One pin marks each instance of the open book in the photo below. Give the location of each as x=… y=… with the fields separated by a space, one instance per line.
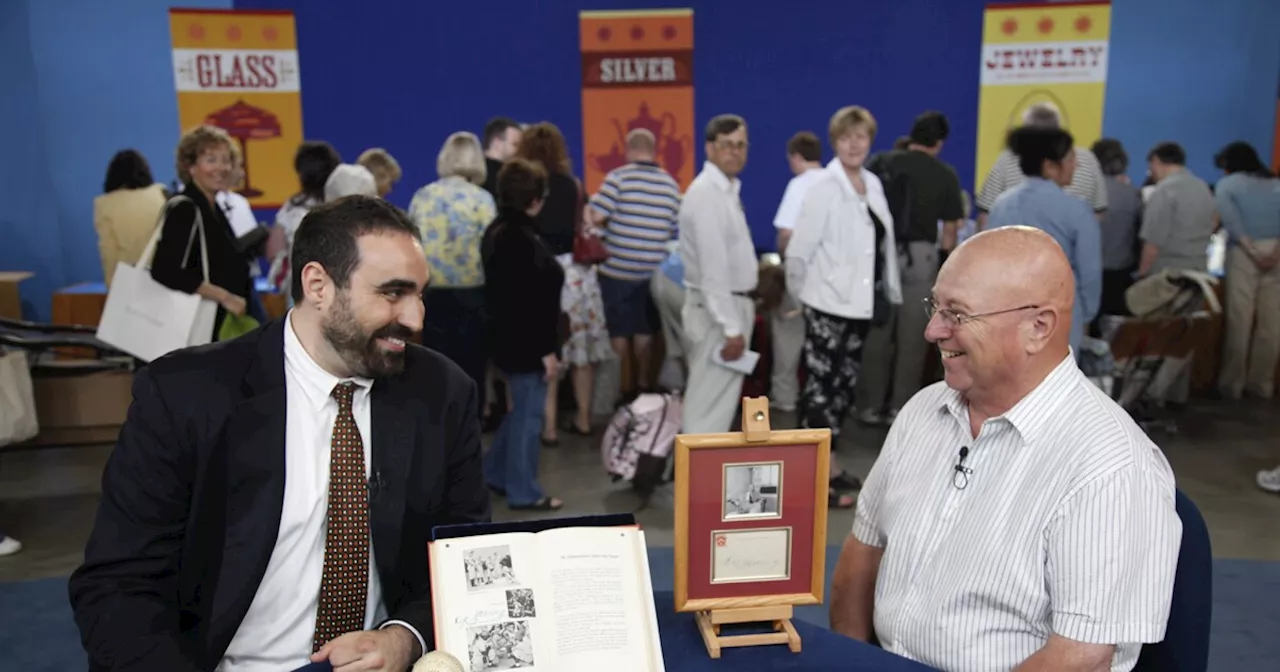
x=565 y=599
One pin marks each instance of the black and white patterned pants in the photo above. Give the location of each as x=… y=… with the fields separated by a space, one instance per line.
x=832 y=356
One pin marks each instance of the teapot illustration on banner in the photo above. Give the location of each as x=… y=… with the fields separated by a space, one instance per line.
x=671 y=148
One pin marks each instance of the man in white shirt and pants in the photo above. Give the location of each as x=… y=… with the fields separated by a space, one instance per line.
x=720 y=272
x=804 y=156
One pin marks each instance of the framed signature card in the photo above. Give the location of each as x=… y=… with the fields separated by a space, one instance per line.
x=751 y=518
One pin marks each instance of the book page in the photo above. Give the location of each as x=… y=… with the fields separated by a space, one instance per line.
x=598 y=599
x=488 y=609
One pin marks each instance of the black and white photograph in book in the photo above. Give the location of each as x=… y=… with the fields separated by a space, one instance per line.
x=489 y=567
x=500 y=646
x=520 y=603
x=752 y=490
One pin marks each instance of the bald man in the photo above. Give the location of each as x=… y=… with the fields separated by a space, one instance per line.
x=1017 y=518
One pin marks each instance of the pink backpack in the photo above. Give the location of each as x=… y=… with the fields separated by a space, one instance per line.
x=640 y=438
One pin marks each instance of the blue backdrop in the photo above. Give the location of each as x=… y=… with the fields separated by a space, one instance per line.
x=84 y=78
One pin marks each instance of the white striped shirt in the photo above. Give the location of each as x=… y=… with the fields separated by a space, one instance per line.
x=1087 y=182
x=1067 y=525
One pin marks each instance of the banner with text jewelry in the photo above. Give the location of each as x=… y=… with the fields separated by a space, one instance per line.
x=637 y=72
x=238 y=70
x=1042 y=53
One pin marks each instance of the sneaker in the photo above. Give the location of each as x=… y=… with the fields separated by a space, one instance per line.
x=1269 y=480
x=9 y=546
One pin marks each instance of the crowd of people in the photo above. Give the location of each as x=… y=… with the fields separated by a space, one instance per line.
x=861 y=239
x=1015 y=516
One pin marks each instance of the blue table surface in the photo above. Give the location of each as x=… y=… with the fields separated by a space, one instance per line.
x=263 y=286
x=821 y=649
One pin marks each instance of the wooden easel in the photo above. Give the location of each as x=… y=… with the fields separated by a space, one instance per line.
x=755 y=426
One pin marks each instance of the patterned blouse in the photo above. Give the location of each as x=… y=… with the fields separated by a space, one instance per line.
x=452 y=215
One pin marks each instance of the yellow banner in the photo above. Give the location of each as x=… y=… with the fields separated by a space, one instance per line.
x=637 y=72
x=1042 y=53
x=238 y=70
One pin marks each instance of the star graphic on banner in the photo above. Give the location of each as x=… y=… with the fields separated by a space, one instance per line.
x=1010 y=26
x=1045 y=25
x=1084 y=23
x=668 y=32
x=637 y=33
x=604 y=33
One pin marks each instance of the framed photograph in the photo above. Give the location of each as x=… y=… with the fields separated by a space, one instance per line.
x=751 y=516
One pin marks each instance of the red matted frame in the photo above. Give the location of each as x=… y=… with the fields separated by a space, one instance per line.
x=700 y=478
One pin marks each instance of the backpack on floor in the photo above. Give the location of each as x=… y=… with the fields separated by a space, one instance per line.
x=640 y=439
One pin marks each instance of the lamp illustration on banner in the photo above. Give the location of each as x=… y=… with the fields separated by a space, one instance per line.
x=671 y=147
x=245 y=122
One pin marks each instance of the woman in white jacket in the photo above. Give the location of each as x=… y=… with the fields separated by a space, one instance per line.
x=842 y=267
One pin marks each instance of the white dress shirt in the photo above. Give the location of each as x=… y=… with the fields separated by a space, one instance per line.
x=716 y=247
x=277 y=631
x=1066 y=525
x=793 y=197
x=831 y=259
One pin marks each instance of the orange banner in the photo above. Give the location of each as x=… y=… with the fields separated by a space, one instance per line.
x=637 y=72
x=238 y=70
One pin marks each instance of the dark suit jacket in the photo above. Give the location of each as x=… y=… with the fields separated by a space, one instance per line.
x=192 y=498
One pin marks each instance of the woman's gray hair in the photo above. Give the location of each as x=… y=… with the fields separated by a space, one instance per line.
x=462 y=155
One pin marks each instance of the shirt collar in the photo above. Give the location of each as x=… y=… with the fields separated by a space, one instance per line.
x=316 y=383
x=1033 y=412
x=718 y=178
x=834 y=166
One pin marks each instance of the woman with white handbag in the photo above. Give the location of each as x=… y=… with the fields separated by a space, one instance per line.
x=195 y=231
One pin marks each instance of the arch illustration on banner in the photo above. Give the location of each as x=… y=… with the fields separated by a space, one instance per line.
x=238 y=70
x=1041 y=53
x=637 y=72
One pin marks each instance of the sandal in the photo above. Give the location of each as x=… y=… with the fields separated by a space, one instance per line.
x=544 y=504
x=846 y=483
x=550 y=442
x=573 y=428
x=838 y=501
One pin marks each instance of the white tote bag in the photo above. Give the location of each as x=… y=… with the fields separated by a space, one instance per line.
x=17 y=399
x=148 y=320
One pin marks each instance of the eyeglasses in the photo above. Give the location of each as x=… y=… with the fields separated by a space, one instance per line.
x=954 y=319
x=739 y=146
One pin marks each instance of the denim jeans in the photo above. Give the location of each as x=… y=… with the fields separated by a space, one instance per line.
x=512 y=461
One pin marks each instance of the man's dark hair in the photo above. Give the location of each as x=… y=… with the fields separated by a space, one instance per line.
x=128 y=170
x=1111 y=156
x=520 y=183
x=1240 y=157
x=497 y=128
x=329 y=233
x=314 y=162
x=902 y=142
x=930 y=128
x=1033 y=145
x=1168 y=153
x=723 y=124
x=806 y=144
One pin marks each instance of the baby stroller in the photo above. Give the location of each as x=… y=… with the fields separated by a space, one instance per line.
x=1133 y=353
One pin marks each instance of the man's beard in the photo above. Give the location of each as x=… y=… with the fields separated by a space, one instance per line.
x=359 y=350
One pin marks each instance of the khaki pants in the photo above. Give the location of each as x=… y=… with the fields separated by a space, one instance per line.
x=1252 y=343
x=898 y=350
x=787 y=328
x=713 y=392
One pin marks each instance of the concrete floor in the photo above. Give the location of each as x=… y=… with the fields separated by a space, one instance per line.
x=48 y=496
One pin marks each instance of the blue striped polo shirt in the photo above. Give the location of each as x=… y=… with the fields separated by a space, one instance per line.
x=640 y=202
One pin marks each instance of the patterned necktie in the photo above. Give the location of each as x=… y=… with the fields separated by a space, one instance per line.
x=344 y=585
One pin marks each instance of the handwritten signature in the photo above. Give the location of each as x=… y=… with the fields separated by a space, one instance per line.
x=729 y=560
